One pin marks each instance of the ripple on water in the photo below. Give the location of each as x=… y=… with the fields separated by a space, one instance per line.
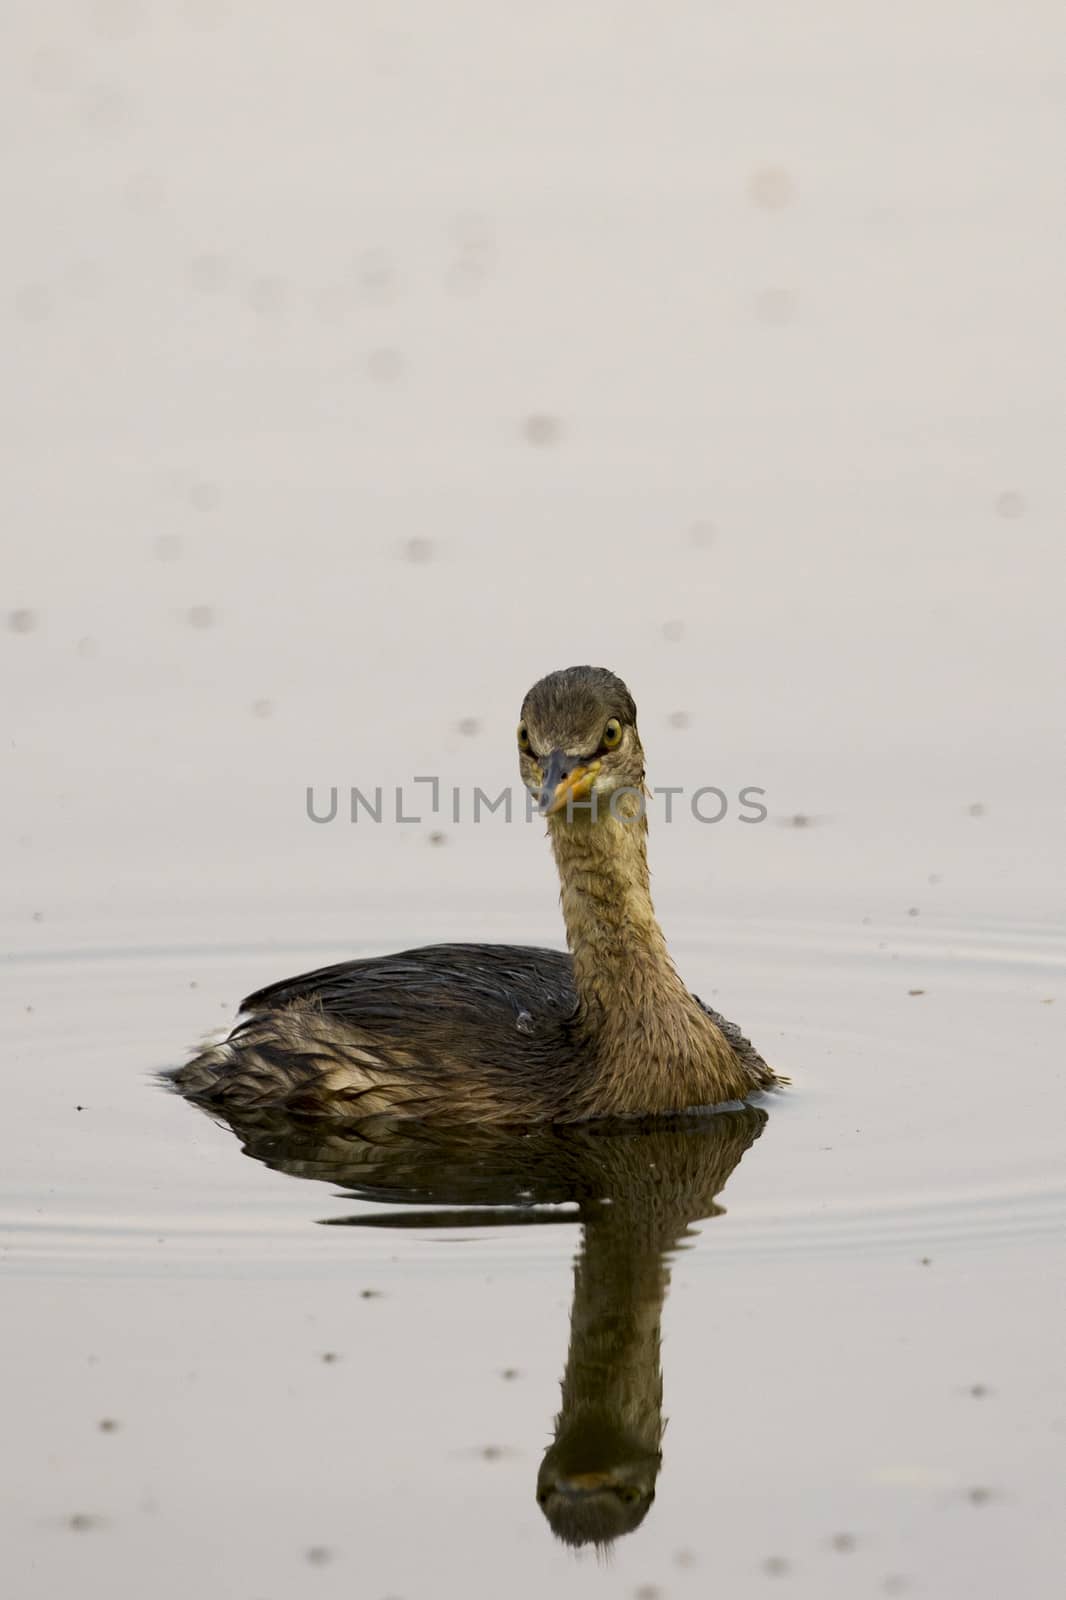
x=898 y=1135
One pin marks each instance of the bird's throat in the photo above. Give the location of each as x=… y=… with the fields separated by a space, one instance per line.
x=622 y=969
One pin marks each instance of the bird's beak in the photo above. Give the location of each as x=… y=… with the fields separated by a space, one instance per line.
x=566 y=780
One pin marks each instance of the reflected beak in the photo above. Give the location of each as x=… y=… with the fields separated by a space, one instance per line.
x=566 y=780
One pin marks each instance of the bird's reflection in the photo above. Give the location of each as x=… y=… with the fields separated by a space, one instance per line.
x=638 y=1188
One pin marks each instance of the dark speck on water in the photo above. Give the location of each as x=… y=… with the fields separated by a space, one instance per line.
x=469 y=726
x=107 y=1424
x=22 y=621
x=204 y=496
x=1010 y=504
x=542 y=430
x=419 y=550
x=319 y=1555
x=200 y=617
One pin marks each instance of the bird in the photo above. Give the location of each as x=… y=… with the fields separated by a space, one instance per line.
x=509 y=1035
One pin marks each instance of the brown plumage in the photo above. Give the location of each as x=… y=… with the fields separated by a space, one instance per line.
x=508 y=1034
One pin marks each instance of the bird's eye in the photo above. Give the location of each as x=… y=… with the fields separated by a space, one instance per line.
x=523 y=736
x=612 y=734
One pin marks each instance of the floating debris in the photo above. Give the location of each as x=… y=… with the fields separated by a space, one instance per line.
x=915 y=991
x=204 y=496
x=200 y=617
x=979 y=1495
x=22 y=621
x=107 y=1424
x=468 y=726
x=542 y=430
x=1010 y=504
x=319 y=1555
x=679 y=719
x=419 y=550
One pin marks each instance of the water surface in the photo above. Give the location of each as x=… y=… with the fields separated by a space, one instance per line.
x=310 y=1364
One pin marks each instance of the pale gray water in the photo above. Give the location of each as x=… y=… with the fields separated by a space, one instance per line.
x=361 y=365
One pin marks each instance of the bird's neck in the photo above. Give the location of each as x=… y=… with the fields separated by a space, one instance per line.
x=655 y=1047
x=622 y=968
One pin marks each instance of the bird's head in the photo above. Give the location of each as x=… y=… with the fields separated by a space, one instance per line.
x=578 y=744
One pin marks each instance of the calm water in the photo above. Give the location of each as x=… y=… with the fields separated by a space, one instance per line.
x=361 y=365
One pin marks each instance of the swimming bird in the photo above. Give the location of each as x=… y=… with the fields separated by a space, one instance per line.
x=505 y=1034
